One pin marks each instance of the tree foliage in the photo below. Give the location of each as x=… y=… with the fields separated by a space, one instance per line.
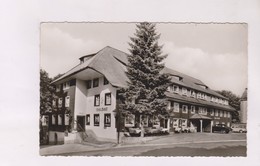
x=146 y=89
x=234 y=101
x=46 y=91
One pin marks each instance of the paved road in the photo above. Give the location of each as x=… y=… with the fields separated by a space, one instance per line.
x=178 y=145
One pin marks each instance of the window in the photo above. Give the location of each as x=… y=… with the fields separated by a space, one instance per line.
x=199 y=95
x=228 y=114
x=67 y=101
x=60 y=103
x=107 y=120
x=108 y=99
x=184 y=122
x=53 y=120
x=216 y=100
x=225 y=114
x=193 y=94
x=88 y=82
x=184 y=91
x=66 y=85
x=185 y=109
x=202 y=110
x=175 y=89
x=222 y=122
x=216 y=113
x=189 y=93
x=175 y=122
x=59 y=119
x=97 y=100
x=88 y=119
x=206 y=97
x=105 y=81
x=54 y=102
x=193 y=109
x=212 y=99
x=176 y=107
x=221 y=114
x=67 y=119
x=96 y=119
x=95 y=82
x=211 y=112
x=169 y=105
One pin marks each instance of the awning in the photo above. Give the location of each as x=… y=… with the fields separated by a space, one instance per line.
x=200 y=117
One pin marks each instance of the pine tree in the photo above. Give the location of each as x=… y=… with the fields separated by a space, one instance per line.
x=145 y=94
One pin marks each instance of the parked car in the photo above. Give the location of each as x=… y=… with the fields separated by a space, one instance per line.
x=134 y=131
x=221 y=128
x=238 y=129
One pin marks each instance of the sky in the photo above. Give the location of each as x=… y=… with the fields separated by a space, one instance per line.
x=214 y=53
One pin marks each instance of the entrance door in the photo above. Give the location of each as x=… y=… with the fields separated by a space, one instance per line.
x=80 y=123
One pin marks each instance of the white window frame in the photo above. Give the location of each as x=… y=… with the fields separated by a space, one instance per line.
x=60 y=102
x=199 y=95
x=202 y=96
x=193 y=110
x=228 y=114
x=67 y=101
x=53 y=120
x=176 y=107
x=212 y=113
x=59 y=119
x=177 y=88
x=216 y=112
x=54 y=102
x=224 y=114
x=221 y=113
x=186 y=110
x=184 y=122
x=175 y=122
x=193 y=94
x=66 y=119
x=184 y=91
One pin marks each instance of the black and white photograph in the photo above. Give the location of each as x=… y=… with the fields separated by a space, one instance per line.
x=132 y=82
x=143 y=89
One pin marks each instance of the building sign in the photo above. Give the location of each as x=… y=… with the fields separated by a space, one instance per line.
x=102 y=109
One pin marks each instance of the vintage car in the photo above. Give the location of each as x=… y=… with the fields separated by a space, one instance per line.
x=238 y=129
x=222 y=128
x=148 y=131
x=134 y=131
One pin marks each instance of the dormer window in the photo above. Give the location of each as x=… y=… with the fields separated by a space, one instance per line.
x=193 y=94
x=202 y=96
x=184 y=91
x=212 y=99
x=175 y=89
x=177 y=77
x=199 y=95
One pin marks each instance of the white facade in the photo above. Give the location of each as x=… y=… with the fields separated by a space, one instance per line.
x=84 y=105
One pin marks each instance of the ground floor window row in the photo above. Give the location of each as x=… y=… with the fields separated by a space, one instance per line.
x=55 y=119
x=179 y=122
x=177 y=107
x=97 y=118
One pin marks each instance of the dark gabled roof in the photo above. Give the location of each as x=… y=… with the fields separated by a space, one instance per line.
x=108 y=61
x=190 y=82
x=112 y=64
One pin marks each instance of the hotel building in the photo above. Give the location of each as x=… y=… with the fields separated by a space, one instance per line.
x=88 y=96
